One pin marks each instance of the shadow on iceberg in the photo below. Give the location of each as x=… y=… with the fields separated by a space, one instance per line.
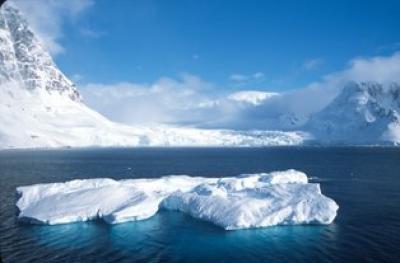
x=245 y=201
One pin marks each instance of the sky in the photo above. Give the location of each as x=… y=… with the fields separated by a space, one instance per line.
x=165 y=57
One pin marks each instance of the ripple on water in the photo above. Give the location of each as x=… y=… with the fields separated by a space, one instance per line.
x=364 y=182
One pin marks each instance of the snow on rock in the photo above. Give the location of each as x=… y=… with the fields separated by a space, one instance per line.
x=246 y=201
x=41 y=108
x=38 y=119
x=363 y=113
x=23 y=57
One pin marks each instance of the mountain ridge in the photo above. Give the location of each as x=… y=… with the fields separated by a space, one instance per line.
x=24 y=58
x=363 y=113
x=41 y=108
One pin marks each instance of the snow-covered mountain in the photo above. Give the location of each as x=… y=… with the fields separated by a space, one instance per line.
x=41 y=107
x=24 y=60
x=363 y=113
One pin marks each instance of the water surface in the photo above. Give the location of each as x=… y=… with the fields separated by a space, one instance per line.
x=364 y=181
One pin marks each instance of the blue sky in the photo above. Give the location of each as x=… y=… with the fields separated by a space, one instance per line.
x=215 y=63
x=290 y=42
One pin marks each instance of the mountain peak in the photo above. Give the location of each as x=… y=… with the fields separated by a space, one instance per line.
x=23 y=58
x=363 y=113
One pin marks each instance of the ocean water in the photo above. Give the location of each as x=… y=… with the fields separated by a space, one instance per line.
x=364 y=181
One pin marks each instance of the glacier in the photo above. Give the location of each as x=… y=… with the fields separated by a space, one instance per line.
x=38 y=119
x=41 y=108
x=241 y=202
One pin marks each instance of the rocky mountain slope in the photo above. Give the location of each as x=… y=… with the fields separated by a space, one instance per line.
x=363 y=113
x=41 y=107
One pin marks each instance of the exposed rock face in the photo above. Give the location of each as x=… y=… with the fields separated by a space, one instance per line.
x=363 y=113
x=40 y=107
x=23 y=58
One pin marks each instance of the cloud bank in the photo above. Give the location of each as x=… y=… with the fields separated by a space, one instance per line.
x=46 y=17
x=192 y=101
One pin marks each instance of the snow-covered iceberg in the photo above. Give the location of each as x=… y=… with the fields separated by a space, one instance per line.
x=245 y=201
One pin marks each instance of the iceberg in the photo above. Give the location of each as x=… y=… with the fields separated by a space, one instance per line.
x=244 y=201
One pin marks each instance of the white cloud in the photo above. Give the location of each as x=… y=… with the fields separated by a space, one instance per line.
x=312 y=64
x=46 y=17
x=254 y=97
x=91 y=33
x=243 y=77
x=380 y=68
x=164 y=101
x=383 y=69
x=238 y=77
x=190 y=100
x=77 y=77
x=193 y=101
x=395 y=46
x=258 y=75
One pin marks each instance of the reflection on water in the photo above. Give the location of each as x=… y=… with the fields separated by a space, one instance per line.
x=175 y=236
x=76 y=235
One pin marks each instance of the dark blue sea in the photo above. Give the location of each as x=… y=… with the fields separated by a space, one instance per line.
x=364 y=181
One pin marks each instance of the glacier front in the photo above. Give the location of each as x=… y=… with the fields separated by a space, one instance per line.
x=245 y=201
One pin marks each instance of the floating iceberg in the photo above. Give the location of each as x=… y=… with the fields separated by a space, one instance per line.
x=245 y=201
